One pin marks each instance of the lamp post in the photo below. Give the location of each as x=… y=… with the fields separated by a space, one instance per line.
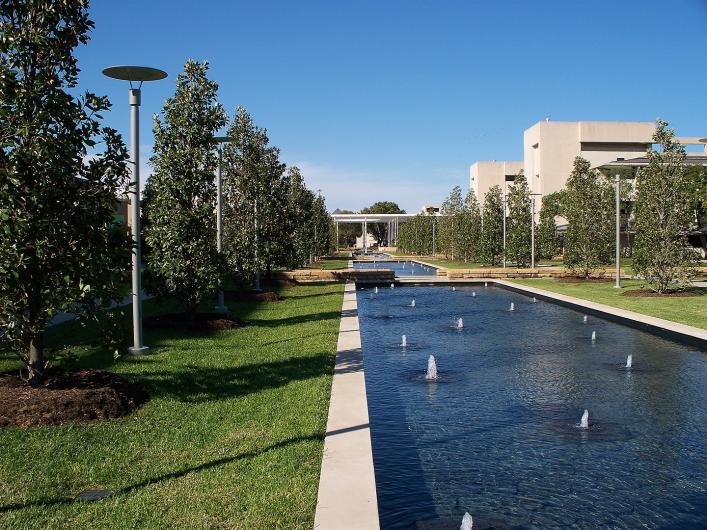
x=532 y=229
x=617 y=183
x=219 y=140
x=503 y=202
x=137 y=74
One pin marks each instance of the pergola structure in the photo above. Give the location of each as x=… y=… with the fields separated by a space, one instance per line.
x=393 y=220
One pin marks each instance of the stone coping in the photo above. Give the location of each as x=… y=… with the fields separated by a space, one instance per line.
x=336 y=275
x=347 y=486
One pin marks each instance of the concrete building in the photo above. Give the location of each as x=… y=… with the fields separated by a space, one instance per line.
x=550 y=147
x=483 y=175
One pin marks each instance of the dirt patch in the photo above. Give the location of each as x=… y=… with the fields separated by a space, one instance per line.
x=668 y=294
x=249 y=296
x=77 y=397
x=197 y=322
x=577 y=279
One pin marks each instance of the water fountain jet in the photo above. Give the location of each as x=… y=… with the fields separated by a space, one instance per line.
x=412 y=304
x=629 y=361
x=594 y=336
x=535 y=300
x=467 y=522
x=473 y=293
x=392 y=286
x=460 y=323
x=584 y=422
x=584 y=320
x=431 y=374
x=404 y=342
x=486 y=284
x=376 y=290
x=513 y=307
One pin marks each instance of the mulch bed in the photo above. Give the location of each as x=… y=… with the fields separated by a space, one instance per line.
x=78 y=397
x=249 y=296
x=576 y=279
x=649 y=293
x=197 y=322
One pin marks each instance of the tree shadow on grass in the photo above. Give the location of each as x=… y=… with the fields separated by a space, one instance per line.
x=299 y=319
x=199 y=384
x=172 y=475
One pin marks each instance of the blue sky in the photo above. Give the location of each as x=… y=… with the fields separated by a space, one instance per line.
x=393 y=100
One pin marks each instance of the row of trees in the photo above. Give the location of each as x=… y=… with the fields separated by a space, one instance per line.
x=661 y=206
x=61 y=173
x=270 y=219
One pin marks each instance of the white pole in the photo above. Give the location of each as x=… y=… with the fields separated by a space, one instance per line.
x=617 y=182
x=532 y=232
x=504 y=231
x=220 y=306
x=138 y=347
x=257 y=265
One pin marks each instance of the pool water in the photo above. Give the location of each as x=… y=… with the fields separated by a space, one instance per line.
x=497 y=435
x=401 y=268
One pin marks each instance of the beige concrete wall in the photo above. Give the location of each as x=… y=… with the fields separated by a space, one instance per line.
x=485 y=174
x=550 y=147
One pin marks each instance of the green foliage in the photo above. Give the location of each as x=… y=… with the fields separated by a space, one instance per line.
x=589 y=209
x=59 y=249
x=664 y=214
x=492 y=228
x=181 y=226
x=518 y=229
x=415 y=235
x=469 y=231
x=448 y=229
x=380 y=230
x=548 y=242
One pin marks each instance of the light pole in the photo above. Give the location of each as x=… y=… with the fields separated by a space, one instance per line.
x=532 y=229
x=219 y=140
x=503 y=201
x=434 y=241
x=617 y=183
x=137 y=74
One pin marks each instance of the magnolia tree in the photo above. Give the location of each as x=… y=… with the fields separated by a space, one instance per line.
x=589 y=209
x=449 y=229
x=518 y=229
x=415 y=235
x=60 y=176
x=181 y=226
x=491 y=244
x=664 y=214
x=469 y=235
x=547 y=239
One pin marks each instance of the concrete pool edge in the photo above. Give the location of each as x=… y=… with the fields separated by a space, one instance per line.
x=347 y=487
x=659 y=326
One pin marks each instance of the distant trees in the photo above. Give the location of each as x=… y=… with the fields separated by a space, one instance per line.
x=518 y=229
x=59 y=249
x=492 y=228
x=664 y=214
x=181 y=229
x=588 y=208
x=415 y=235
x=469 y=243
x=349 y=232
x=380 y=230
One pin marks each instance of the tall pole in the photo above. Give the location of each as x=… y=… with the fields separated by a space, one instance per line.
x=365 y=237
x=504 y=231
x=337 y=236
x=532 y=232
x=617 y=182
x=434 y=236
x=138 y=347
x=257 y=265
x=220 y=306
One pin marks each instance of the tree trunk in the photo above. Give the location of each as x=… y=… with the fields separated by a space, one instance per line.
x=36 y=361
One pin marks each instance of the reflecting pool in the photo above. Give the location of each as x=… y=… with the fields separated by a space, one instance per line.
x=497 y=433
x=401 y=268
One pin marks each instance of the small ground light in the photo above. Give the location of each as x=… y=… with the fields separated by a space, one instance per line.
x=94 y=495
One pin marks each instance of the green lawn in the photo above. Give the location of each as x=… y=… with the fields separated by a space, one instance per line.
x=691 y=311
x=232 y=437
x=334 y=264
